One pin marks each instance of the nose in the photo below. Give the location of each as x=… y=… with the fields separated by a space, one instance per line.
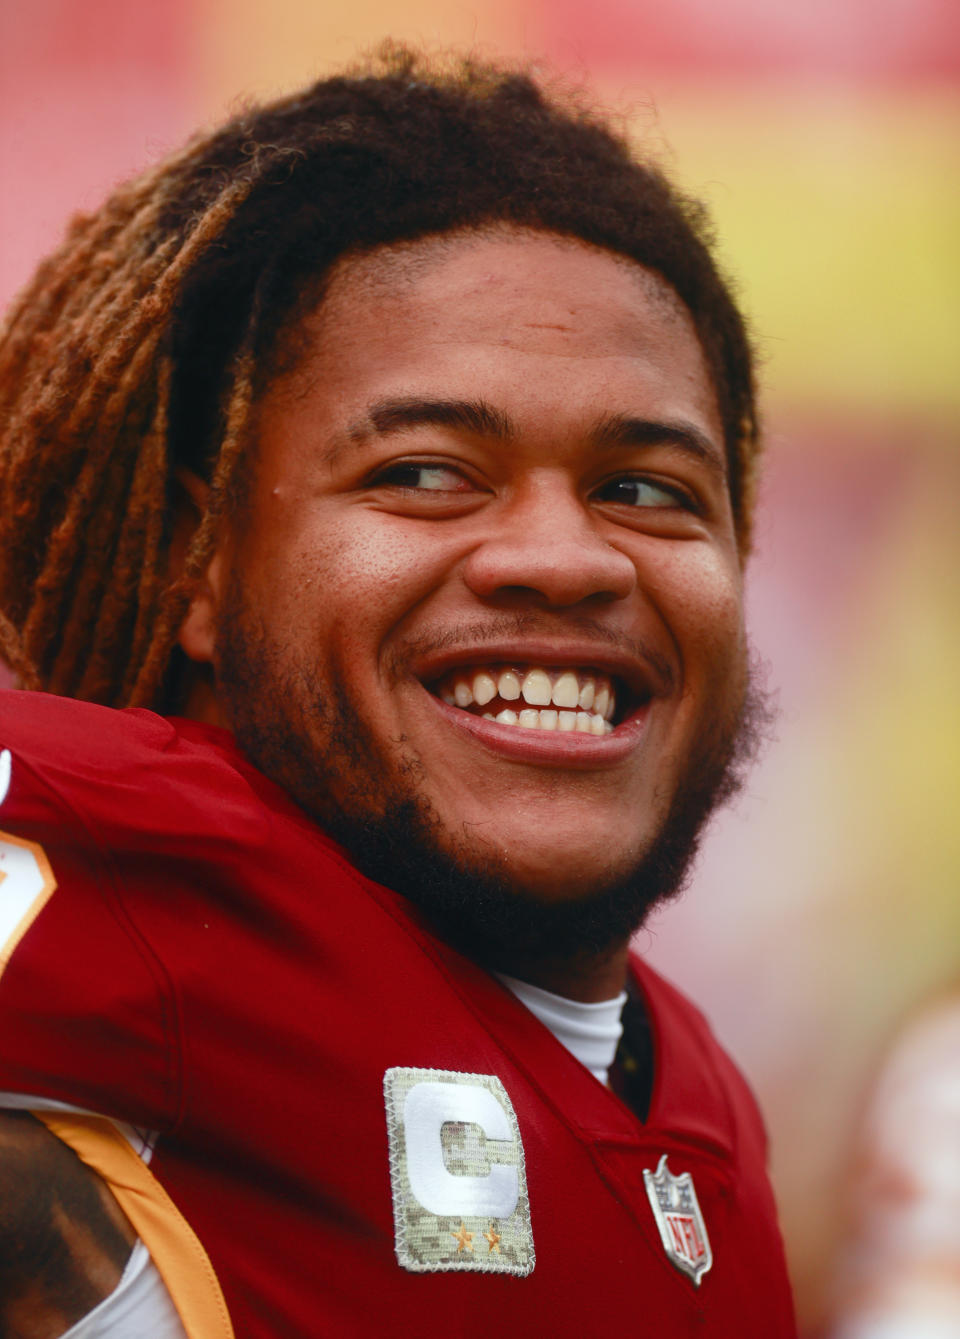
x=546 y=545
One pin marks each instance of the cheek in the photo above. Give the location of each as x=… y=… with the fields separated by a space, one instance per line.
x=698 y=591
x=376 y=561
x=358 y=570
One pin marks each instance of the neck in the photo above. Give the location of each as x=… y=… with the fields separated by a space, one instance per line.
x=201 y=704
x=586 y=979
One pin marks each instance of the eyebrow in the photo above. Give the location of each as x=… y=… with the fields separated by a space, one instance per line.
x=394 y=415
x=624 y=430
x=398 y=413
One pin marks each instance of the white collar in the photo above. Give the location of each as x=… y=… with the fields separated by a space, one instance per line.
x=590 y=1032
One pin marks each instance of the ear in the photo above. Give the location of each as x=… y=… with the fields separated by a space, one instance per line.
x=198 y=629
x=197 y=633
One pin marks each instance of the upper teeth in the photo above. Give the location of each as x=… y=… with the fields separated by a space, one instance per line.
x=573 y=690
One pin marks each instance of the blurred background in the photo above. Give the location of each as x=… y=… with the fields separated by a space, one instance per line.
x=824 y=136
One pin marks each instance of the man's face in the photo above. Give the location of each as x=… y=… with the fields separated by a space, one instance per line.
x=488 y=571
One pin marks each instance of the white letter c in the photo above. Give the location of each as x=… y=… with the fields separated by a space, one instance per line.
x=428 y=1107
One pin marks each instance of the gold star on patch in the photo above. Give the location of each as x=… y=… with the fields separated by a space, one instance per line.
x=463 y=1238
x=493 y=1237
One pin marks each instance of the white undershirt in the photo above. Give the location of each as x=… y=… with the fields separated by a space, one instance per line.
x=138 y=1306
x=590 y=1032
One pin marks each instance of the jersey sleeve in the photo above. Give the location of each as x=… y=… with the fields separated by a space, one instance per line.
x=87 y=1014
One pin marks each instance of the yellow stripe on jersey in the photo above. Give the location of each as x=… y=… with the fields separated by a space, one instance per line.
x=182 y=1262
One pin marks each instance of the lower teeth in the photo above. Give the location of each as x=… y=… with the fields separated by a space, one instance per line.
x=566 y=722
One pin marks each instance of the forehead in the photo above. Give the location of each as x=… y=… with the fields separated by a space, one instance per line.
x=500 y=259
x=548 y=323
x=497 y=274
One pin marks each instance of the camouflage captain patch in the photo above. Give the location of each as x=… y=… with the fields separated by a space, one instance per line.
x=457 y=1173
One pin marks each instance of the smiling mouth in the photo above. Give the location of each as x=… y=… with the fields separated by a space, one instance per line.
x=536 y=697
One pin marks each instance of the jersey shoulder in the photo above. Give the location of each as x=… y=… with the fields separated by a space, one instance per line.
x=121 y=834
x=119 y=773
x=35 y=720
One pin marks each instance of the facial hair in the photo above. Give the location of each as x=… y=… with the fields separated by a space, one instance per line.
x=378 y=812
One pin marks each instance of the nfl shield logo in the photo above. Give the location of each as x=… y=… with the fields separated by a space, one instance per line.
x=682 y=1230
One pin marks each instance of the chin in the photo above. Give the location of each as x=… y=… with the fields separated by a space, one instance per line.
x=561 y=872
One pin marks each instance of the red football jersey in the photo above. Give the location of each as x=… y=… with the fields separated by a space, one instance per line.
x=360 y=1131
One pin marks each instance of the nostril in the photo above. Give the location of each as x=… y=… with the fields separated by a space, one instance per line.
x=557 y=574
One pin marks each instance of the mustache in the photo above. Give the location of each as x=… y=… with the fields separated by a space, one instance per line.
x=530 y=624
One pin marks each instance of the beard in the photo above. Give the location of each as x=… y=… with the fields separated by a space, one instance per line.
x=323 y=755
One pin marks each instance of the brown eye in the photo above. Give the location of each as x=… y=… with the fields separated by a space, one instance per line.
x=423 y=477
x=638 y=492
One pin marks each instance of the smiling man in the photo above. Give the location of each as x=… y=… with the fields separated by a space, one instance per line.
x=391 y=450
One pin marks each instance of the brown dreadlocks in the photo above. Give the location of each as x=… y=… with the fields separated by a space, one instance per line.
x=143 y=343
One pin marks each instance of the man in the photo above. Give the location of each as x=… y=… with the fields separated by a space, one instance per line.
x=396 y=444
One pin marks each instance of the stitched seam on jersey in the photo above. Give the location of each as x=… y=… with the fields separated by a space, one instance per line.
x=155 y=967
x=175 y=1248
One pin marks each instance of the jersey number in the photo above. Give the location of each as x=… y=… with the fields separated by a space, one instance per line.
x=26 y=881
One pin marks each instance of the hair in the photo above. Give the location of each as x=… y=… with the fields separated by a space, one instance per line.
x=143 y=343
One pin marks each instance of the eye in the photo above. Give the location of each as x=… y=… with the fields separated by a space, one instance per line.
x=422 y=476
x=641 y=491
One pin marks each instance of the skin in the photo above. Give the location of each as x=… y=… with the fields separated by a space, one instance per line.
x=64 y=1240
x=379 y=549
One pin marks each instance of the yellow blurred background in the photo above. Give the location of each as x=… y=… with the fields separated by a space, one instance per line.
x=824 y=137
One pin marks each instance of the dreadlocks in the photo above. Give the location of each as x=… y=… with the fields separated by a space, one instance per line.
x=143 y=343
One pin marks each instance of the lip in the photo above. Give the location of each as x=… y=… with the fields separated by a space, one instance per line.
x=550 y=748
